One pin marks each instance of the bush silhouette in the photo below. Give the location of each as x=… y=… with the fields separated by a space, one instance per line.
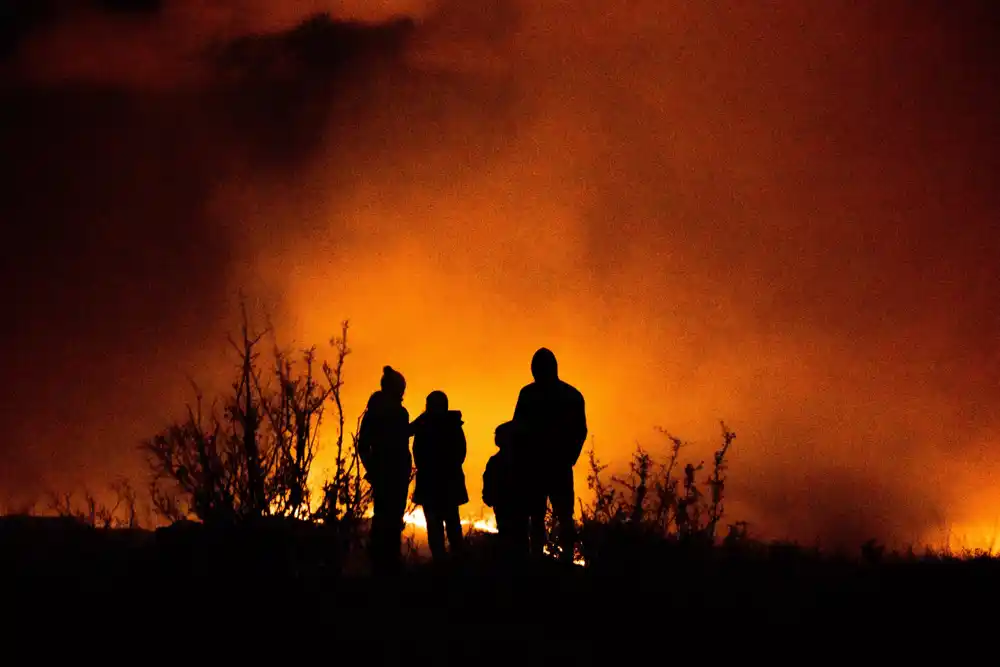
x=245 y=460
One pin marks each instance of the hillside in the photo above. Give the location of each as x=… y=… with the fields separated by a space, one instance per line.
x=77 y=576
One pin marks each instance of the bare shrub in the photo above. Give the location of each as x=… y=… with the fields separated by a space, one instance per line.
x=249 y=454
x=122 y=514
x=651 y=500
x=346 y=494
x=295 y=414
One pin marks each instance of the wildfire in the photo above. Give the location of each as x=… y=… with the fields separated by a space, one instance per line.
x=973 y=536
x=486 y=525
x=417 y=519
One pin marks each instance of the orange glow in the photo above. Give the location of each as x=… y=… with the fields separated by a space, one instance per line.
x=417 y=521
x=973 y=537
x=777 y=214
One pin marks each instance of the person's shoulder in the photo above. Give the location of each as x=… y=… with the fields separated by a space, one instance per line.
x=528 y=390
x=571 y=391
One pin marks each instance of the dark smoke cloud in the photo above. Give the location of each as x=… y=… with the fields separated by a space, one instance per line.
x=117 y=273
x=781 y=215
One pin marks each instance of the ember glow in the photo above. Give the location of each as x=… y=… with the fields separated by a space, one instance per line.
x=417 y=521
x=782 y=215
x=416 y=518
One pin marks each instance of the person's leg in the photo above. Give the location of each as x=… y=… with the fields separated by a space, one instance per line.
x=512 y=529
x=522 y=534
x=562 y=497
x=389 y=502
x=535 y=520
x=435 y=532
x=453 y=523
x=398 y=509
x=376 y=535
x=500 y=551
x=536 y=502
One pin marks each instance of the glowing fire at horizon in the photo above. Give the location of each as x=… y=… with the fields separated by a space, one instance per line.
x=417 y=520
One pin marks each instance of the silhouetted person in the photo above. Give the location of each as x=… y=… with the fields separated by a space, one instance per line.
x=551 y=425
x=439 y=449
x=503 y=492
x=384 y=447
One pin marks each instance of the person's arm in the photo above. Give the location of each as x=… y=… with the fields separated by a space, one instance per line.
x=462 y=446
x=521 y=407
x=419 y=453
x=579 y=428
x=525 y=418
x=405 y=427
x=364 y=441
x=489 y=483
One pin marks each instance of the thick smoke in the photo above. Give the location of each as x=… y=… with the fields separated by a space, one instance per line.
x=780 y=216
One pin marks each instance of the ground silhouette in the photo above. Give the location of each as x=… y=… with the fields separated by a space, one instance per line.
x=664 y=597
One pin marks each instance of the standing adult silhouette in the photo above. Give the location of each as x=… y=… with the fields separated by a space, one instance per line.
x=551 y=424
x=384 y=447
x=439 y=449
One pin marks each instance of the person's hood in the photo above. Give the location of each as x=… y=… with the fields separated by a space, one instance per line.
x=380 y=401
x=504 y=434
x=375 y=399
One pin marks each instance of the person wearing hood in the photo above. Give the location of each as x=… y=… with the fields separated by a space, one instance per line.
x=439 y=449
x=384 y=448
x=551 y=421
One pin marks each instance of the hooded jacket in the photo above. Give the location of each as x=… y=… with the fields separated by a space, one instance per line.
x=439 y=449
x=551 y=418
x=385 y=436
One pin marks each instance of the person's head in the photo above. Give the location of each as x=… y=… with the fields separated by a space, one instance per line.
x=437 y=401
x=393 y=383
x=543 y=366
x=504 y=434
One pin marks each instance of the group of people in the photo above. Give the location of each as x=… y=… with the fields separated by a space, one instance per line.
x=533 y=466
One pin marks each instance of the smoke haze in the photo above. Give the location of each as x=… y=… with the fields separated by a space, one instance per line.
x=777 y=214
